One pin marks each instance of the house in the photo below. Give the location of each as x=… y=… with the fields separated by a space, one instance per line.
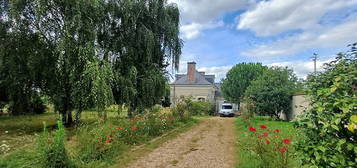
x=198 y=85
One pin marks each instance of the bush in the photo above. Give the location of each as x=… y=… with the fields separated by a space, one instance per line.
x=201 y=108
x=330 y=141
x=52 y=151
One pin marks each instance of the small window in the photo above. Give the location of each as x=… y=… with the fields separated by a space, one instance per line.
x=228 y=107
x=201 y=99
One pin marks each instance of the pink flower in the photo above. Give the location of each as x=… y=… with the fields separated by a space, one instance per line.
x=252 y=129
x=286 y=141
x=267 y=142
x=283 y=149
x=263 y=127
x=265 y=134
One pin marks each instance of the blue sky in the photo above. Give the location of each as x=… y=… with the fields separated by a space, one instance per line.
x=219 y=34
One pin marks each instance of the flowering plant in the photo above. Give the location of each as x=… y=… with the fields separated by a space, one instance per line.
x=270 y=147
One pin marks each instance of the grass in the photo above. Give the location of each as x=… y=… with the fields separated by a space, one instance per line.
x=245 y=157
x=19 y=132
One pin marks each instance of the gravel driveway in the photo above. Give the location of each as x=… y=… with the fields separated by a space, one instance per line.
x=208 y=145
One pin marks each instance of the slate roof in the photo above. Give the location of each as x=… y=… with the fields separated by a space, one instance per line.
x=181 y=79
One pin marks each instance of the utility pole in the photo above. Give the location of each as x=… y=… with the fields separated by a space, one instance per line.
x=314 y=58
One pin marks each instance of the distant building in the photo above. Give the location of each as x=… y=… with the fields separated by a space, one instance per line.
x=198 y=85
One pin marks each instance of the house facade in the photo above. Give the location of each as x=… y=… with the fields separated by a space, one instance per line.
x=198 y=85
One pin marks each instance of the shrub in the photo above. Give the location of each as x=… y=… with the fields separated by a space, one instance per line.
x=52 y=151
x=330 y=141
x=200 y=108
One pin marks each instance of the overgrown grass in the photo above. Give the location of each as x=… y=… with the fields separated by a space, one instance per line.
x=86 y=145
x=246 y=158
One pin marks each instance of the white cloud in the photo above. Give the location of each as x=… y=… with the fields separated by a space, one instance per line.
x=276 y=16
x=193 y=30
x=302 y=68
x=199 y=15
x=203 y=11
x=338 y=36
x=219 y=71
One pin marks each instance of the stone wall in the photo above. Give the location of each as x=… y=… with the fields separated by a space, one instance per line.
x=299 y=104
x=197 y=92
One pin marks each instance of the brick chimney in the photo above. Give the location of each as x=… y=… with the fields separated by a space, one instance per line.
x=191 y=70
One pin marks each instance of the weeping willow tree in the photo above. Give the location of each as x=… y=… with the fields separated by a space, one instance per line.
x=143 y=41
x=89 y=53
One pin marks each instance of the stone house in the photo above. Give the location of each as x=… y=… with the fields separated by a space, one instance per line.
x=198 y=85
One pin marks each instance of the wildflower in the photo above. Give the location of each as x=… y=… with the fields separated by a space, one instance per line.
x=283 y=149
x=276 y=131
x=6 y=132
x=263 y=127
x=267 y=142
x=260 y=137
x=107 y=141
x=252 y=129
x=134 y=128
x=265 y=134
x=286 y=141
x=119 y=128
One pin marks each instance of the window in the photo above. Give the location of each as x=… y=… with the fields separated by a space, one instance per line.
x=201 y=99
x=228 y=107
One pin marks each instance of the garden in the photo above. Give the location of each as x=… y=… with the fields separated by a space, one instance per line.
x=323 y=136
x=94 y=143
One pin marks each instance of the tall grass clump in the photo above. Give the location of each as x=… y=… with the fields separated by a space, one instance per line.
x=52 y=152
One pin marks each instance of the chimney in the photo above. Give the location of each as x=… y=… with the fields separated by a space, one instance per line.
x=191 y=70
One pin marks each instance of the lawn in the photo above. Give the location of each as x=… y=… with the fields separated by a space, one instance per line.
x=246 y=155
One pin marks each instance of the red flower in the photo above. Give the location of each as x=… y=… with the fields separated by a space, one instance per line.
x=286 y=141
x=267 y=142
x=252 y=129
x=134 y=128
x=283 y=149
x=260 y=137
x=276 y=131
x=107 y=141
x=265 y=134
x=119 y=128
x=263 y=127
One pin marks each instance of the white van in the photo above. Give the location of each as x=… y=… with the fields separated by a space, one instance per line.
x=226 y=109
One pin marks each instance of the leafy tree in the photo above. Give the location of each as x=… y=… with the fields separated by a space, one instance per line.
x=270 y=94
x=329 y=139
x=239 y=78
x=22 y=55
x=87 y=53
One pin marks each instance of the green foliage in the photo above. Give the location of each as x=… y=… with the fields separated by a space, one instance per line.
x=87 y=53
x=201 y=108
x=52 y=152
x=92 y=144
x=329 y=142
x=270 y=94
x=253 y=149
x=239 y=78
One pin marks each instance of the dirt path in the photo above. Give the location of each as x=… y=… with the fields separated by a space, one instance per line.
x=209 y=145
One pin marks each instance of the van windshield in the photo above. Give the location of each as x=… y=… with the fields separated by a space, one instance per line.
x=227 y=107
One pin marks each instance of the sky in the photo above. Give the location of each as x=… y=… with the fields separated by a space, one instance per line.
x=218 y=34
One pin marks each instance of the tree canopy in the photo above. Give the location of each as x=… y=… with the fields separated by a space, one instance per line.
x=270 y=94
x=87 y=53
x=239 y=78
